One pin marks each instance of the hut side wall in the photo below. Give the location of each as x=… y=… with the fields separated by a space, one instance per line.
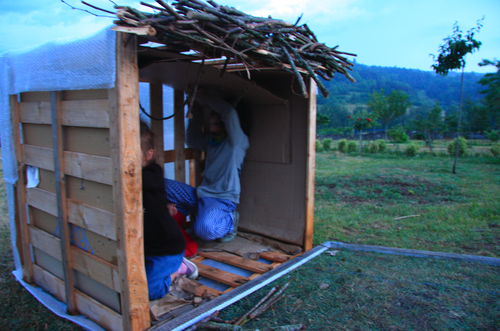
x=88 y=206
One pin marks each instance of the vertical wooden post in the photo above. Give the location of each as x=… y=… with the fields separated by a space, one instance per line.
x=127 y=185
x=179 y=137
x=21 y=194
x=62 y=220
x=311 y=165
x=156 y=106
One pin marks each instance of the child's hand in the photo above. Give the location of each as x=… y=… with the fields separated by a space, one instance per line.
x=172 y=210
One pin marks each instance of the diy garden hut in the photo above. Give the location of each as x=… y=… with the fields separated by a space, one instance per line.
x=71 y=156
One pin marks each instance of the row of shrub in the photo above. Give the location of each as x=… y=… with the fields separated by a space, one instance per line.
x=380 y=145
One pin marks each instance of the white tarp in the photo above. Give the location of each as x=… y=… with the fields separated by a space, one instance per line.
x=78 y=63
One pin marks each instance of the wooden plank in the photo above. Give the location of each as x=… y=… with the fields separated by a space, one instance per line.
x=43 y=200
x=311 y=166
x=35 y=112
x=237 y=261
x=275 y=256
x=156 y=106
x=62 y=212
x=127 y=188
x=89 y=167
x=99 y=313
x=221 y=276
x=179 y=137
x=39 y=157
x=93 y=219
x=169 y=156
x=49 y=282
x=96 y=268
x=91 y=308
x=46 y=242
x=87 y=113
x=21 y=193
x=201 y=290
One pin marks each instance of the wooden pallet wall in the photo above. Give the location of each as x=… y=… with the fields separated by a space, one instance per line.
x=69 y=238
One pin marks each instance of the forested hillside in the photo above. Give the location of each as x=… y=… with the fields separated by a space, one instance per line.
x=423 y=88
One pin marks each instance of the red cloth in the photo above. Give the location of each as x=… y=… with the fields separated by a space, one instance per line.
x=191 y=245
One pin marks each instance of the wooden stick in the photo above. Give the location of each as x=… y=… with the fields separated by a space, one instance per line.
x=402 y=217
x=239 y=320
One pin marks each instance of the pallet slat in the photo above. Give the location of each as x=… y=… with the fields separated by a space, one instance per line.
x=88 y=113
x=221 y=276
x=237 y=261
x=275 y=256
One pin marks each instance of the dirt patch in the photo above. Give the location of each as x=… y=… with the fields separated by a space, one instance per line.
x=388 y=190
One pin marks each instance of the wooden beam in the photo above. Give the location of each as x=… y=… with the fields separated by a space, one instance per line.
x=127 y=188
x=179 y=137
x=21 y=193
x=156 y=106
x=275 y=256
x=62 y=213
x=311 y=166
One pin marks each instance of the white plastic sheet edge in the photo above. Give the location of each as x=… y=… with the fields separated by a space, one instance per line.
x=56 y=306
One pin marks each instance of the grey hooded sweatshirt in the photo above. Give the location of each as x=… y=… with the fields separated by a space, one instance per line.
x=224 y=161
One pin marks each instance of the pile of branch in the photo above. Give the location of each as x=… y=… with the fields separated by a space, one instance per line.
x=237 y=35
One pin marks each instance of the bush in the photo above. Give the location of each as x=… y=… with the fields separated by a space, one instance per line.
x=495 y=149
x=382 y=144
x=462 y=147
x=373 y=147
x=319 y=146
x=493 y=136
x=342 y=145
x=352 y=147
x=398 y=134
x=412 y=149
x=328 y=144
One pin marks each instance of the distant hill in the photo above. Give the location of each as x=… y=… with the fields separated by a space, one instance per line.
x=423 y=87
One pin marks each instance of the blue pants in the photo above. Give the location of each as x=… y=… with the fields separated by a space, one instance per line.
x=158 y=271
x=214 y=217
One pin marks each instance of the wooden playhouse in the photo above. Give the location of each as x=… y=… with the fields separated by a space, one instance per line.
x=79 y=231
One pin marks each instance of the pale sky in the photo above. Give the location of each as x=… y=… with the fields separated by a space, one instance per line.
x=389 y=33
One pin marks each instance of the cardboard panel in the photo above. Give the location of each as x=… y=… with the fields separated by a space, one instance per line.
x=37 y=135
x=84 y=95
x=47 y=181
x=270 y=134
x=273 y=197
x=93 y=141
x=35 y=96
x=90 y=193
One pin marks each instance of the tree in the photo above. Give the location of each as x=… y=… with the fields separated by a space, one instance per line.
x=359 y=122
x=388 y=108
x=429 y=123
x=492 y=92
x=452 y=56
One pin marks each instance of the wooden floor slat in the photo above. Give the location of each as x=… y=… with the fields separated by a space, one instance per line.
x=275 y=256
x=237 y=261
x=221 y=276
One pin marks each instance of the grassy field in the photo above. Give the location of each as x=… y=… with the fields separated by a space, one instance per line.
x=377 y=199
